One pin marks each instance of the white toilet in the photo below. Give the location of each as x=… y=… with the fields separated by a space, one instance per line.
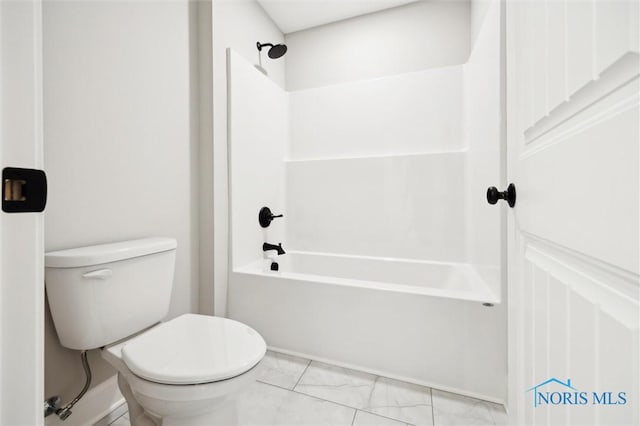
x=185 y=371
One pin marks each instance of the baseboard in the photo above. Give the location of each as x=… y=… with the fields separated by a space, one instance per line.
x=94 y=405
x=390 y=376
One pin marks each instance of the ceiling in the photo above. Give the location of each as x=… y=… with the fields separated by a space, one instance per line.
x=296 y=15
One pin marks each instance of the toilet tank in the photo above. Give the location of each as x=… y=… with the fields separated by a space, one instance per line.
x=103 y=293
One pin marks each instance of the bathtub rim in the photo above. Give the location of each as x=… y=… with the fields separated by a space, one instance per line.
x=482 y=293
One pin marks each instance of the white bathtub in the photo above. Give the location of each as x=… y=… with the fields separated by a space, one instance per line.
x=440 y=279
x=422 y=322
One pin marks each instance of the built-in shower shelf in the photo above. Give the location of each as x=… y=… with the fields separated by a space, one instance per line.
x=376 y=156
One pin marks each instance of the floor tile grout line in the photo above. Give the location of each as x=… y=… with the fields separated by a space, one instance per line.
x=386 y=417
x=310 y=396
x=377 y=377
x=355 y=413
x=303 y=371
x=382 y=416
x=433 y=416
x=334 y=402
x=341 y=404
x=388 y=378
x=315 y=397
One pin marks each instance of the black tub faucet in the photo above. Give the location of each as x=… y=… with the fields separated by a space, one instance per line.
x=267 y=247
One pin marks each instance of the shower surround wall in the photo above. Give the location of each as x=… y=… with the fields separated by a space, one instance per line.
x=237 y=24
x=388 y=256
x=382 y=180
x=367 y=183
x=483 y=126
x=258 y=110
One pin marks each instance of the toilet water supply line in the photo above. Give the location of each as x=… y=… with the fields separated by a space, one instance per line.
x=51 y=404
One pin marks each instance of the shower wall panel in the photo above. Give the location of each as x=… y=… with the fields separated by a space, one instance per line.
x=257 y=135
x=377 y=167
x=483 y=128
x=409 y=113
x=400 y=206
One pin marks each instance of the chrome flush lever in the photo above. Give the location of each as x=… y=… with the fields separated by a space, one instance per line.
x=99 y=274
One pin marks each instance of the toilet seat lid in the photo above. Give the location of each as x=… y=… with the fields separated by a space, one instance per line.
x=193 y=349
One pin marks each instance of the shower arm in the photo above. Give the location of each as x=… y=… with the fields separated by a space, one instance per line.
x=261 y=45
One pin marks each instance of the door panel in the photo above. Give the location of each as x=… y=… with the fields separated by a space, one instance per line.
x=21 y=234
x=574 y=257
x=584 y=170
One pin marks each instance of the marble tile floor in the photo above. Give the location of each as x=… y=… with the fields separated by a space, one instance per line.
x=295 y=391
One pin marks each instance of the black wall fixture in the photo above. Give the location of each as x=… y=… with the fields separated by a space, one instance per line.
x=23 y=190
x=493 y=195
x=276 y=50
x=265 y=217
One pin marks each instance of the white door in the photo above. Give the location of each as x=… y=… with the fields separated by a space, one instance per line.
x=572 y=141
x=21 y=234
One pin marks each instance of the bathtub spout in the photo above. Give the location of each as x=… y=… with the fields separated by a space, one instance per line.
x=267 y=247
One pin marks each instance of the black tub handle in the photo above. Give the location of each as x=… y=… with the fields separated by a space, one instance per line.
x=265 y=217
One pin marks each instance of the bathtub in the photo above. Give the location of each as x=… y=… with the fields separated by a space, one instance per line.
x=430 y=323
x=438 y=279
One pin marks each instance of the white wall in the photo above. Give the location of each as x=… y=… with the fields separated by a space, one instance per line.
x=237 y=24
x=409 y=113
x=406 y=206
x=376 y=167
x=421 y=35
x=258 y=121
x=121 y=141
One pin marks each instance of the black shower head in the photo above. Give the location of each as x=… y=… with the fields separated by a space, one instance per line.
x=276 y=51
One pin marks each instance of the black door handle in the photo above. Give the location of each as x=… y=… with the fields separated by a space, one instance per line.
x=493 y=195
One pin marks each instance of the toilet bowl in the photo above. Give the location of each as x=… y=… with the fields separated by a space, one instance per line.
x=185 y=371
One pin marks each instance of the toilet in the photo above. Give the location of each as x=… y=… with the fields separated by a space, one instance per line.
x=186 y=371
